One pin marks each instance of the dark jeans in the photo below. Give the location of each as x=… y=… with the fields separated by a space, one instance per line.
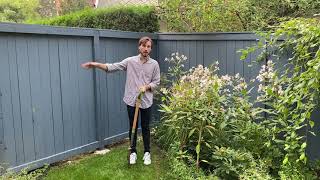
x=145 y=119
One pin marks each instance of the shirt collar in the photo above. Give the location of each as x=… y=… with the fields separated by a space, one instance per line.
x=148 y=59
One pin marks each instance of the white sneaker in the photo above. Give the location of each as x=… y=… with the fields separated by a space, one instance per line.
x=133 y=158
x=147 y=158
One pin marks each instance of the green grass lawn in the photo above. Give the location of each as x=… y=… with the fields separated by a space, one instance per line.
x=113 y=165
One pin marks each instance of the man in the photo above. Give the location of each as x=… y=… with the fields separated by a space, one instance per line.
x=143 y=75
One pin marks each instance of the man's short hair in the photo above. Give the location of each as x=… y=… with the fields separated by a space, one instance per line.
x=144 y=40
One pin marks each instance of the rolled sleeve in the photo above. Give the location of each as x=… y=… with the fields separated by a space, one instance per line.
x=119 y=66
x=155 y=78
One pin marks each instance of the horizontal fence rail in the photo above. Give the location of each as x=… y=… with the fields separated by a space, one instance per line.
x=51 y=108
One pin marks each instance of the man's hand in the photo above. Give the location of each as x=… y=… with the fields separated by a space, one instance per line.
x=144 y=88
x=88 y=65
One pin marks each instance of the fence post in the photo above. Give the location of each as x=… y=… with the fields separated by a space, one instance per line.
x=96 y=84
x=2 y=148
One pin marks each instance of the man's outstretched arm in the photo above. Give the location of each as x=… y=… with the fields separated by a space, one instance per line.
x=118 y=66
x=89 y=65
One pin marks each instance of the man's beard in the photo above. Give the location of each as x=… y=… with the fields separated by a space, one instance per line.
x=144 y=54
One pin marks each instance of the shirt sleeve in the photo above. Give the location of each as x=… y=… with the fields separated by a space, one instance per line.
x=155 y=82
x=119 y=66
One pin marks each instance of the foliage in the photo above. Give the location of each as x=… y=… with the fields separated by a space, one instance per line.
x=203 y=112
x=231 y=15
x=230 y=163
x=180 y=168
x=131 y=18
x=291 y=95
x=2 y=169
x=25 y=174
x=18 y=10
x=212 y=121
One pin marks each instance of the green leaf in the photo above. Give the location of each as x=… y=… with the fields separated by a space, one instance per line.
x=269 y=91
x=285 y=161
x=300 y=85
x=311 y=123
x=205 y=161
x=302 y=156
x=223 y=124
x=167 y=109
x=208 y=145
x=286 y=147
x=198 y=149
x=304 y=145
x=211 y=127
x=244 y=54
x=311 y=81
x=209 y=131
x=268 y=144
x=191 y=132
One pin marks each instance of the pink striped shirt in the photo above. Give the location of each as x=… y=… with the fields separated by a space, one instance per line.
x=138 y=74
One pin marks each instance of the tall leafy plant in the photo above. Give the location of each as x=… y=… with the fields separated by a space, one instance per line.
x=203 y=113
x=291 y=96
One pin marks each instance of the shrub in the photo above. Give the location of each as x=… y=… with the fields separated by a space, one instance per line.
x=204 y=113
x=234 y=164
x=180 y=169
x=131 y=18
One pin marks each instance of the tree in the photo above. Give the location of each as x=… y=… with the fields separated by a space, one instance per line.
x=18 y=10
x=49 y=8
x=58 y=7
x=231 y=15
x=68 y=6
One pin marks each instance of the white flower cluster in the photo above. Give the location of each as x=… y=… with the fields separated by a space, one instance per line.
x=200 y=75
x=216 y=66
x=236 y=81
x=176 y=58
x=266 y=72
x=267 y=77
x=164 y=91
x=199 y=80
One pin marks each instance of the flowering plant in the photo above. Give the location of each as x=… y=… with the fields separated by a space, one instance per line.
x=202 y=110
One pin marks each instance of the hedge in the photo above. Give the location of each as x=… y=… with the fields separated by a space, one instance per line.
x=129 y=18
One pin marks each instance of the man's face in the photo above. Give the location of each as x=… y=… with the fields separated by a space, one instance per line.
x=145 y=49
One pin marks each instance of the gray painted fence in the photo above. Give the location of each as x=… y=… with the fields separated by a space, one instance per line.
x=51 y=109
